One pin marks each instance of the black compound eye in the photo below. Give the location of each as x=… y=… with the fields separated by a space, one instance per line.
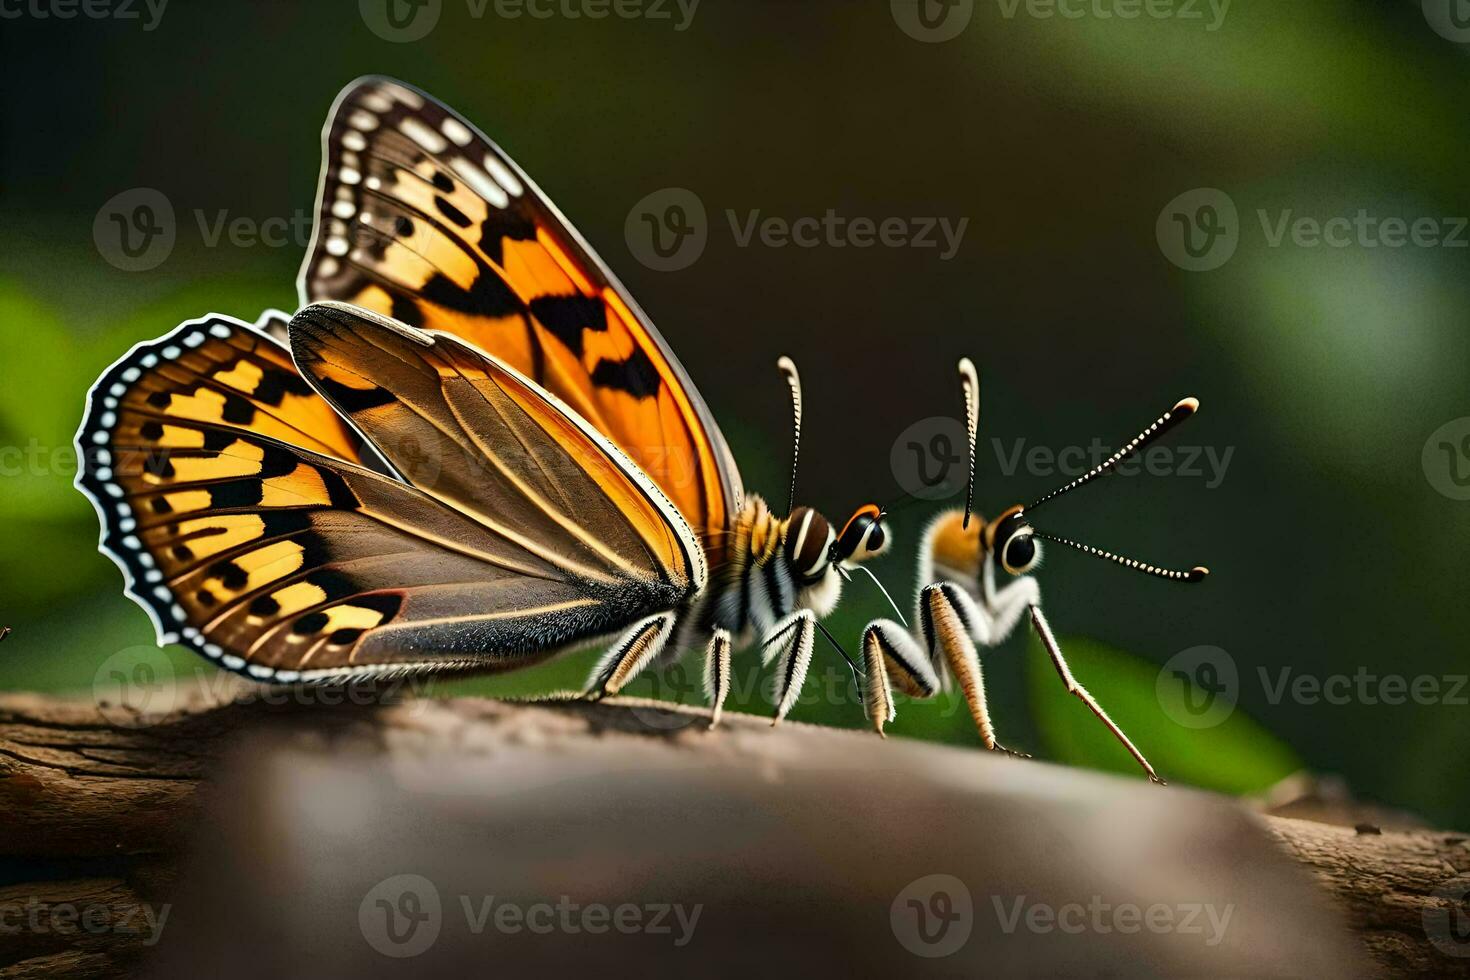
x=1019 y=554
x=863 y=536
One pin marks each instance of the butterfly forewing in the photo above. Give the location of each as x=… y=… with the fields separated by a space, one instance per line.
x=473 y=434
x=234 y=498
x=424 y=219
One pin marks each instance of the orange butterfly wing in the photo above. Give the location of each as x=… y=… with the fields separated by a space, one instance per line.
x=253 y=523
x=423 y=218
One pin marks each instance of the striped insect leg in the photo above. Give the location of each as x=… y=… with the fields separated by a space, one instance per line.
x=626 y=658
x=790 y=643
x=1054 y=650
x=717 y=673
x=893 y=658
x=948 y=616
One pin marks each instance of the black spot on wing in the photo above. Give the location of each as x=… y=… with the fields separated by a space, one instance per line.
x=231 y=575
x=405 y=310
x=275 y=384
x=488 y=295
x=237 y=411
x=455 y=216
x=236 y=493
x=264 y=606
x=568 y=317
x=636 y=375
x=354 y=400
x=310 y=623
x=500 y=225
x=339 y=494
x=279 y=523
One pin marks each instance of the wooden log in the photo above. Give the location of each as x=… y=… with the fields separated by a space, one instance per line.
x=98 y=811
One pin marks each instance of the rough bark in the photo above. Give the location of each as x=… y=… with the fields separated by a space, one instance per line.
x=97 y=808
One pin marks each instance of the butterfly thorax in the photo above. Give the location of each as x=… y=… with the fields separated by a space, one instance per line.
x=774 y=566
x=950 y=550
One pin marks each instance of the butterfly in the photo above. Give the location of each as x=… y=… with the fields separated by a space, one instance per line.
x=470 y=450
x=960 y=606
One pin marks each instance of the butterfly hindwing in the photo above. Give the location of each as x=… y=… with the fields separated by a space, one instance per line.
x=422 y=218
x=237 y=502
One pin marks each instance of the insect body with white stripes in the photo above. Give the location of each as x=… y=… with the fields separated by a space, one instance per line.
x=961 y=606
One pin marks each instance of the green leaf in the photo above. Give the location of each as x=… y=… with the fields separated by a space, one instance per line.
x=1235 y=755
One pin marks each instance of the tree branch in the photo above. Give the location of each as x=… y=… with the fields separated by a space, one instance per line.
x=99 y=806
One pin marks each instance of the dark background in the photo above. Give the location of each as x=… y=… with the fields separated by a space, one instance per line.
x=1324 y=369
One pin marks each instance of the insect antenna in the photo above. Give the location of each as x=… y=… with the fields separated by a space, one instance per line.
x=864 y=568
x=970 y=385
x=1161 y=426
x=857 y=678
x=1195 y=574
x=787 y=367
